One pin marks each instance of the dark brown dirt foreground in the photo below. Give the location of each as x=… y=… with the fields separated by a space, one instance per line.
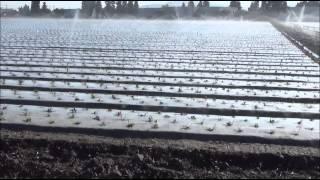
x=39 y=154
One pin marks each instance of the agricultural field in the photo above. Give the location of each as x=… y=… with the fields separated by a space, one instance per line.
x=226 y=81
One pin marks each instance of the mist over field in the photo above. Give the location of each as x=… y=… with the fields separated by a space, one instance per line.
x=125 y=91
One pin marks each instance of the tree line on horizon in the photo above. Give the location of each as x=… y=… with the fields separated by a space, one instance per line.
x=269 y=6
x=35 y=9
x=93 y=9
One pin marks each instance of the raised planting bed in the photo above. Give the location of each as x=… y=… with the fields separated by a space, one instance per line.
x=204 y=127
x=247 y=84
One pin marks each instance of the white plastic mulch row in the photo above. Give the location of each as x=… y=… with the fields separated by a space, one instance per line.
x=161 y=101
x=244 y=92
x=129 y=53
x=274 y=128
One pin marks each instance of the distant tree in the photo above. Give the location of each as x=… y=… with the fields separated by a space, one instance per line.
x=235 y=4
x=198 y=11
x=35 y=8
x=130 y=7
x=168 y=12
x=279 y=6
x=98 y=9
x=44 y=6
x=308 y=4
x=184 y=10
x=119 y=7
x=274 y=6
x=206 y=4
x=135 y=7
x=124 y=7
x=254 y=6
x=58 y=12
x=112 y=5
x=44 y=9
x=24 y=11
x=87 y=8
x=110 y=8
x=264 y=5
x=190 y=4
x=84 y=6
x=301 y=3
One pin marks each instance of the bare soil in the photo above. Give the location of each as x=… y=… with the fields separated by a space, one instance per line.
x=41 y=154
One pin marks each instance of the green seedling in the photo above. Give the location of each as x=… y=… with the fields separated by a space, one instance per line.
x=166 y=116
x=272 y=121
x=155 y=126
x=25 y=113
x=51 y=122
x=97 y=118
x=271 y=132
x=310 y=129
x=119 y=113
x=71 y=116
x=211 y=129
x=185 y=127
x=113 y=96
x=150 y=119
x=130 y=125
x=73 y=110
x=27 y=120
x=102 y=124
x=229 y=124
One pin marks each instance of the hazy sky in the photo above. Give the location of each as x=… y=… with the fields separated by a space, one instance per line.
x=77 y=4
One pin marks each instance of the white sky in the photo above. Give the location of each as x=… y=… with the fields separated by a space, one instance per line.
x=77 y=4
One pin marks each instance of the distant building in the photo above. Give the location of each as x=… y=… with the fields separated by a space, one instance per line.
x=8 y=12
